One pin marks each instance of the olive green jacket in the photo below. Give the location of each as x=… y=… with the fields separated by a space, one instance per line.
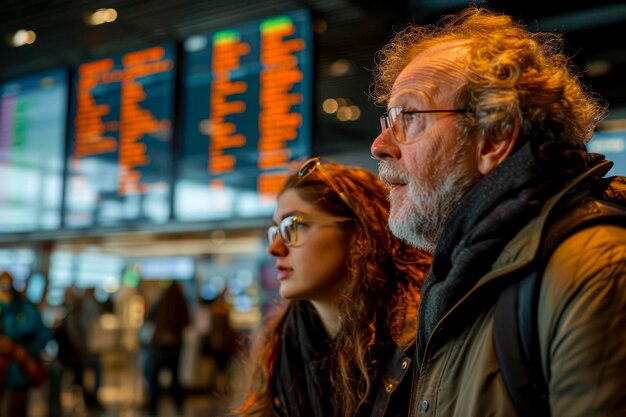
x=581 y=326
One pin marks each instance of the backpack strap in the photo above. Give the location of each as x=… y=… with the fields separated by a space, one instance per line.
x=515 y=319
x=514 y=344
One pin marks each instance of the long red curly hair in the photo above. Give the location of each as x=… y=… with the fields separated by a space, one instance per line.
x=378 y=305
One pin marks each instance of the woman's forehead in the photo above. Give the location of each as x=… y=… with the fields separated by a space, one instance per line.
x=290 y=201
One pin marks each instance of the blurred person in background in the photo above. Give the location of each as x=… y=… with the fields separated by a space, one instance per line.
x=75 y=338
x=169 y=317
x=22 y=338
x=221 y=343
x=67 y=357
x=343 y=343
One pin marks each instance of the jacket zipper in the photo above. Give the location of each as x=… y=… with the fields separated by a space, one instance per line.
x=413 y=386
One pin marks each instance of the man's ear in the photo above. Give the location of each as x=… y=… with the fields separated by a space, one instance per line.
x=490 y=154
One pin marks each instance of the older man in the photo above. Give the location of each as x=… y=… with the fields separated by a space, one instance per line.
x=483 y=146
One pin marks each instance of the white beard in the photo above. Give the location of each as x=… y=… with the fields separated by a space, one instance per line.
x=420 y=219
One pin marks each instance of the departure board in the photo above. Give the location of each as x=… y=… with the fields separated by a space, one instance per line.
x=119 y=157
x=612 y=144
x=246 y=116
x=33 y=114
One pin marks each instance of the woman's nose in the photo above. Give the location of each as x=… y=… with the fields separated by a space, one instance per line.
x=277 y=247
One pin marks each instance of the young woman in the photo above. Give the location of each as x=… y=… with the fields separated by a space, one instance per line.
x=343 y=343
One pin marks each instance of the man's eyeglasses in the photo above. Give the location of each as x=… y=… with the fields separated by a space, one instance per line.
x=289 y=227
x=314 y=163
x=406 y=124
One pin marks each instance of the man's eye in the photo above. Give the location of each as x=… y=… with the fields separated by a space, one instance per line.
x=410 y=117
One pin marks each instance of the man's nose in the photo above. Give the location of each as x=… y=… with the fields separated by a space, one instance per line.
x=384 y=147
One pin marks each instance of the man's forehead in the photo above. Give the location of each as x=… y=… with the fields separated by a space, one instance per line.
x=435 y=68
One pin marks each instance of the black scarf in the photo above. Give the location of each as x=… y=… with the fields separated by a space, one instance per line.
x=488 y=217
x=302 y=382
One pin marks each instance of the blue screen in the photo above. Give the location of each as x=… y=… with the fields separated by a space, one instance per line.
x=33 y=113
x=612 y=144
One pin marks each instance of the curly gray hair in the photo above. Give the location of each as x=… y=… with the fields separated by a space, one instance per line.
x=515 y=79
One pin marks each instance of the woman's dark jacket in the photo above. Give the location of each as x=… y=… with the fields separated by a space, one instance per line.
x=302 y=387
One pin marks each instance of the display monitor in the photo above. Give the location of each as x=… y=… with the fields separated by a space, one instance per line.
x=246 y=116
x=33 y=117
x=120 y=148
x=167 y=268
x=612 y=144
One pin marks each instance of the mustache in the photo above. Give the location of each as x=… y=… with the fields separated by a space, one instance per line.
x=390 y=175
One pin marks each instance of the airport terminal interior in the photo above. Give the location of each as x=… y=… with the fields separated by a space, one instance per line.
x=142 y=144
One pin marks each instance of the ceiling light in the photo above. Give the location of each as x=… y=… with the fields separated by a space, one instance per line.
x=320 y=26
x=356 y=112
x=597 y=68
x=330 y=105
x=101 y=16
x=339 y=67
x=23 y=37
x=344 y=114
x=343 y=102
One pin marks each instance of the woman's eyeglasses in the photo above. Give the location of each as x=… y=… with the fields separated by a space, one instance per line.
x=289 y=227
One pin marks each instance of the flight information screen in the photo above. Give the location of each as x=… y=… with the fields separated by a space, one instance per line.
x=612 y=144
x=33 y=114
x=246 y=115
x=119 y=158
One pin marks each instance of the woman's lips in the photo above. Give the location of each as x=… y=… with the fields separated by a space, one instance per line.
x=283 y=272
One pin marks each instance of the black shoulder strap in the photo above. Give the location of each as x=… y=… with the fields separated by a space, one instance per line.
x=515 y=318
x=513 y=345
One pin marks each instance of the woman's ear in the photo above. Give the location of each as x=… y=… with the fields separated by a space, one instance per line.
x=490 y=153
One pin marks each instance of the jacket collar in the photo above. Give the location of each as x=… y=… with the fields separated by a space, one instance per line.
x=523 y=248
